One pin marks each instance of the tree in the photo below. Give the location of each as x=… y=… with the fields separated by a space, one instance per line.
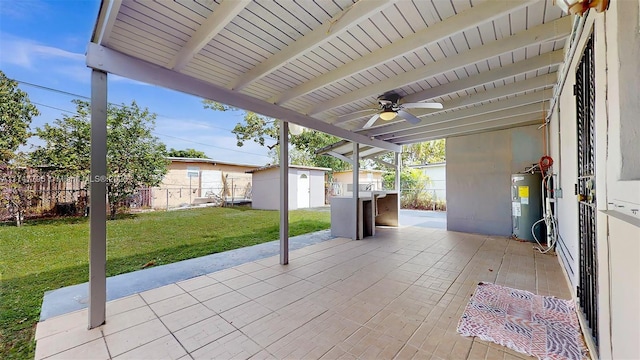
x=427 y=152
x=135 y=158
x=410 y=179
x=16 y=192
x=265 y=131
x=16 y=112
x=187 y=153
x=311 y=141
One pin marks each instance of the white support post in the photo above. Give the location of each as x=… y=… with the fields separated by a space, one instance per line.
x=356 y=190
x=98 y=201
x=398 y=162
x=284 y=192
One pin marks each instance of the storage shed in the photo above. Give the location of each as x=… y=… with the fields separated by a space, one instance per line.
x=306 y=187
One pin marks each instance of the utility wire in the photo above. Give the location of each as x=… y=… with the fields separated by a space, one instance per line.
x=52 y=89
x=55 y=108
x=213 y=146
x=160 y=134
x=88 y=98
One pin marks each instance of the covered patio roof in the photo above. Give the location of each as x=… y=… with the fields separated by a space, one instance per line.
x=344 y=150
x=322 y=65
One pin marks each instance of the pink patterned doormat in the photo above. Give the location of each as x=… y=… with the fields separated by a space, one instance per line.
x=542 y=326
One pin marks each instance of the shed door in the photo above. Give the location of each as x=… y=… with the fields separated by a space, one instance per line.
x=304 y=192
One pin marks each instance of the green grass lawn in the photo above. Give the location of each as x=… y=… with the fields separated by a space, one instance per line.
x=49 y=254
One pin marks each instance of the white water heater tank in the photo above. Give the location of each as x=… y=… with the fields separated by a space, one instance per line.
x=526 y=205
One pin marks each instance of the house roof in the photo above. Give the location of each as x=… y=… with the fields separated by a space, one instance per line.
x=208 y=161
x=323 y=64
x=276 y=166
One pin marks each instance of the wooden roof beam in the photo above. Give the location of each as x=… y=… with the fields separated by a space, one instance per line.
x=518 y=87
x=537 y=109
x=215 y=22
x=496 y=124
x=403 y=127
x=115 y=62
x=539 y=34
x=349 y=17
x=465 y=20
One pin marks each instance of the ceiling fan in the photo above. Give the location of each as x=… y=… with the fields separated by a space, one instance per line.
x=389 y=108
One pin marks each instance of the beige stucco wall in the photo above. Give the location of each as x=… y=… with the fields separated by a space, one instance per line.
x=617 y=43
x=177 y=189
x=366 y=177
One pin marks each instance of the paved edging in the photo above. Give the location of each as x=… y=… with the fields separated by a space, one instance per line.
x=75 y=297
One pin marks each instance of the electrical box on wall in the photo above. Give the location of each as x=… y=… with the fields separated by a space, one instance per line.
x=526 y=206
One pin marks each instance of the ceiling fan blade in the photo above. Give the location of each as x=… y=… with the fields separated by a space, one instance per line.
x=409 y=117
x=371 y=121
x=421 y=105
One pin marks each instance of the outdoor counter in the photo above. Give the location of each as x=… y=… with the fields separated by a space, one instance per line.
x=375 y=208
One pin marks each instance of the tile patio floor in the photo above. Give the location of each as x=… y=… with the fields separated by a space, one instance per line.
x=398 y=295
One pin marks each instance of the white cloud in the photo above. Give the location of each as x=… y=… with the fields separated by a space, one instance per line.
x=177 y=126
x=22 y=9
x=52 y=52
x=75 y=73
x=19 y=50
x=32 y=55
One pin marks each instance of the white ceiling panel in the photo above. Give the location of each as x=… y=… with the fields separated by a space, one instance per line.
x=204 y=8
x=321 y=63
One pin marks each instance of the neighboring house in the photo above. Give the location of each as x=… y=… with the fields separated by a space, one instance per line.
x=342 y=184
x=194 y=180
x=437 y=183
x=306 y=187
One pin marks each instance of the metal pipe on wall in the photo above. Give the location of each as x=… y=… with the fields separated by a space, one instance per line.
x=577 y=32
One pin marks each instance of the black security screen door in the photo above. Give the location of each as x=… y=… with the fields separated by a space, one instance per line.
x=586 y=188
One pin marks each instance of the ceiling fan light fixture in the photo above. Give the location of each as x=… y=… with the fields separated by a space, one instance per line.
x=388 y=115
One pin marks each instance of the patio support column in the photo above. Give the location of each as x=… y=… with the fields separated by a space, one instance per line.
x=98 y=201
x=398 y=162
x=284 y=192
x=356 y=190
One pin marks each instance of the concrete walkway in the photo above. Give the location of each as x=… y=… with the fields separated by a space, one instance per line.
x=424 y=218
x=75 y=297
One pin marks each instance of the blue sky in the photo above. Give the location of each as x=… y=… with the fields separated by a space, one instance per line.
x=43 y=43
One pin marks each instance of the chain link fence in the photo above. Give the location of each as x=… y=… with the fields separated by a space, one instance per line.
x=47 y=196
x=178 y=197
